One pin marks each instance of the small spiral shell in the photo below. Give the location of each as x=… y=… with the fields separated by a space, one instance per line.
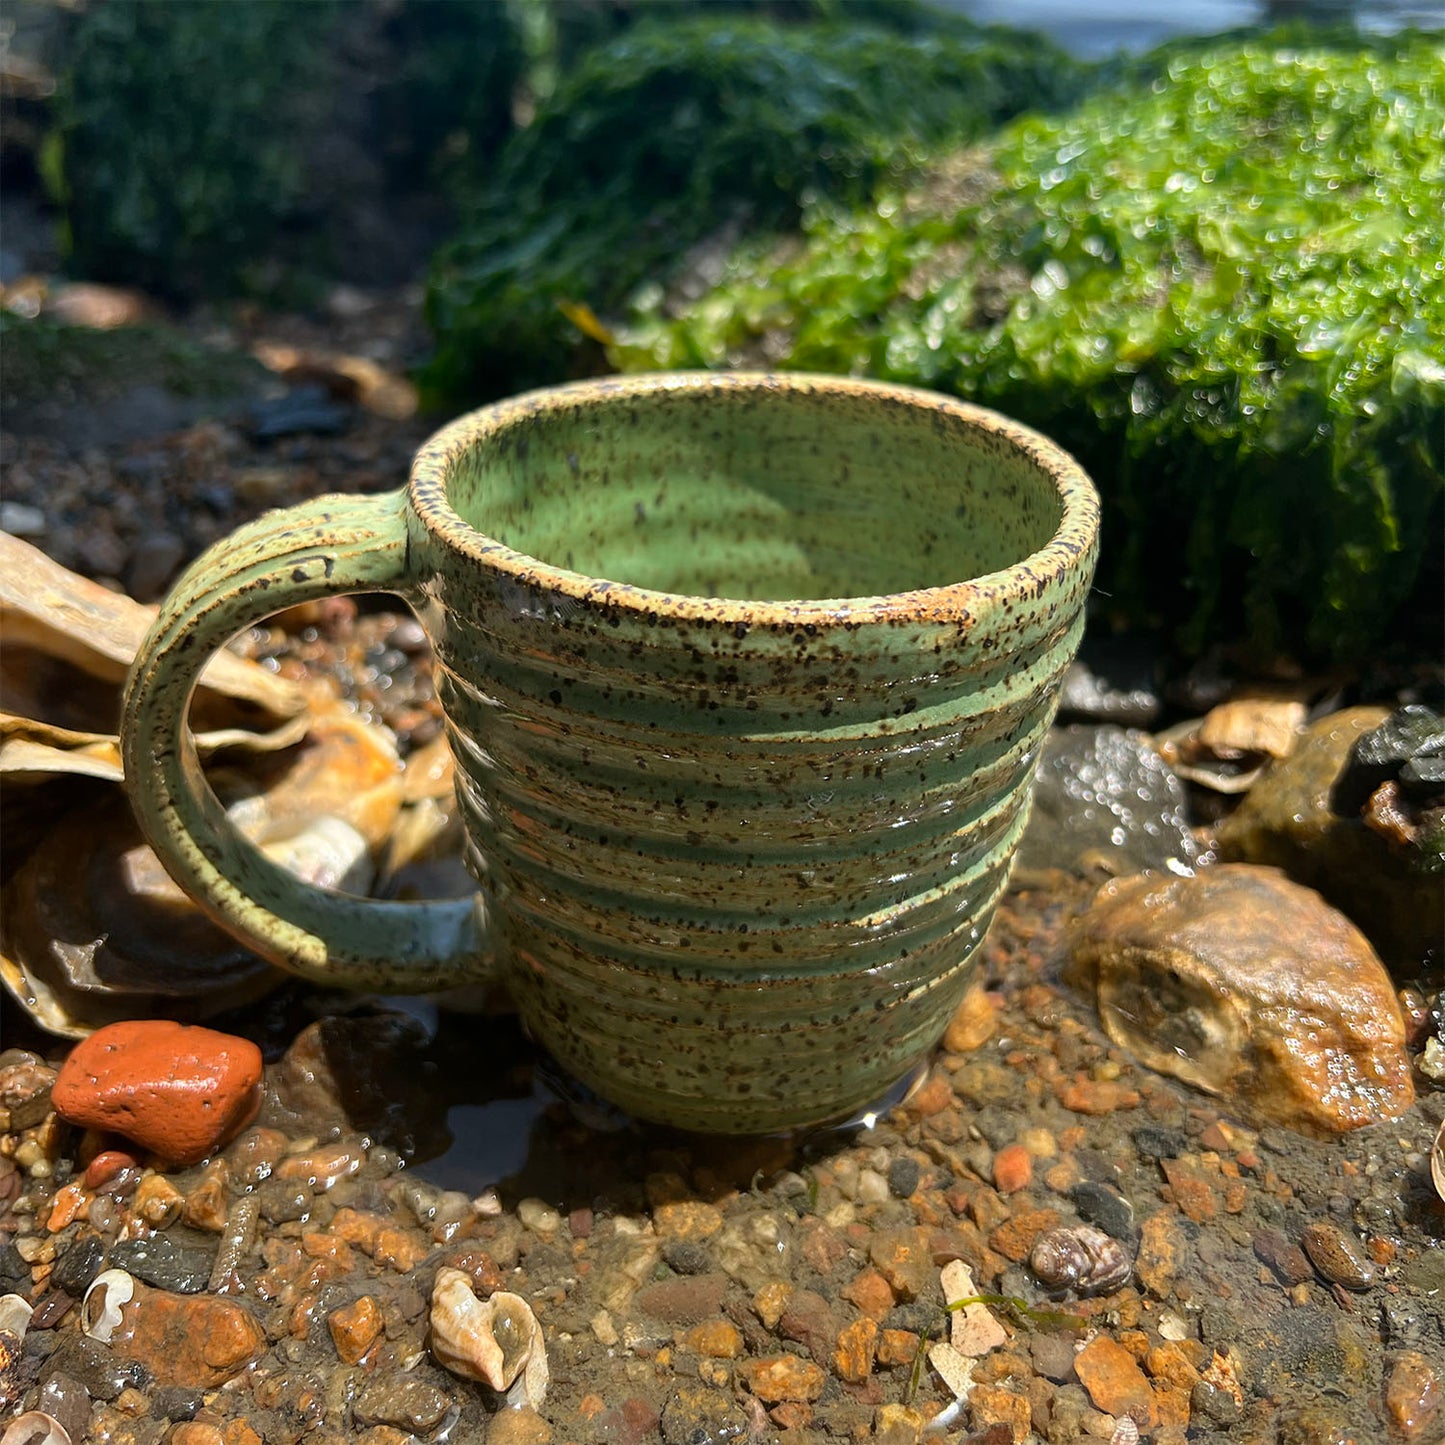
x=1081 y=1258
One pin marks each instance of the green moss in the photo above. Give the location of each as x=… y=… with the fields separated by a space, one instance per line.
x=1221 y=286
x=674 y=130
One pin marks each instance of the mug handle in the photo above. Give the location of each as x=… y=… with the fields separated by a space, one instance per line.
x=316 y=549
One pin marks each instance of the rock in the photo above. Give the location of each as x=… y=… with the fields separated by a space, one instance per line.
x=714 y=1340
x=153 y=563
x=1104 y=794
x=1286 y=1260
x=77 y=1264
x=156 y=1260
x=1115 y=1383
x=904 y=1257
x=695 y=1414
x=1304 y=815
x=25 y=1085
x=687 y=1300
x=1112 y=681
x=408 y=1404
x=303 y=409
x=354 y=1328
x=175 y=1089
x=66 y=1401
x=199 y=1341
x=1240 y=982
x=1413 y=1395
x=783 y=1377
x=903 y=1174
x=855 y=1350
x=523 y=1426
x=1337 y=1255
x=1013 y=1169
x=972 y=1024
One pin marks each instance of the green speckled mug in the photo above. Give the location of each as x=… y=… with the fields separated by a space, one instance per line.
x=745 y=676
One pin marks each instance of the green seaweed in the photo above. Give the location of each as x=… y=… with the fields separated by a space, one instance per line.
x=1220 y=284
x=675 y=131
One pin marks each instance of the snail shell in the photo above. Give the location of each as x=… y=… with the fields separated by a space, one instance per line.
x=35 y=1427
x=1081 y=1258
x=110 y=1291
x=497 y=1340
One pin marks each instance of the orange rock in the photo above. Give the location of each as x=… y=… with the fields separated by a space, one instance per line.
x=994 y=1405
x=1160 y=1246
x=783 y=1377
x=1015 y=1237
x=355 y=1328
x=687 y=1219
x=904 y=1258
x=175 y=1089
x=1013 y=1169
x=972 y=1024
x=791 y=1415
x=933 y=1097
x=195 y=1341
x=398 y=1250
x=68 y=1202
x=855 y=1351
x=715 y=1339
x=1168 y=1363
x=771 y=1300
x=897 y=1347
x=1096 y=1097
x=1413 y=1395
x=871 y=1293
x=1192 y=1192
x=1115 y=1383
x=589 y=1407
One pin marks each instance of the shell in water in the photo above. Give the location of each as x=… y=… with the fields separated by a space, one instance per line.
x=1082 y=1258
x=496 y=1340
x=35 y=1427
x=110 y=1291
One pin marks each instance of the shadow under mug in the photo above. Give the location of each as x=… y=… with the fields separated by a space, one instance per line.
x=745 y=675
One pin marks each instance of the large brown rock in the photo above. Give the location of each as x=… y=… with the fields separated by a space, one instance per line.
x=1296 y=818
x=196 y=1342
x=1245 y=984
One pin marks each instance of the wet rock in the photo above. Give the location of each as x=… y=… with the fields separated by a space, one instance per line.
x=183 y=1269
x=1413 y=1395
x=1338 y=1256
x=783 y=1377
x=1238 y=981
x=25 y=1084
x=1304 y=815
x=77 y=1264
x=699 y=1415
x=903 y=1176
x=1154 y=1142
x=302 y=410
x=408 y=1404
x=1103 y=795
x=1115 y=1383
x=66 y=1401
x=200 y=1341
x=1103 y=1205
x=687 y=1300
x=175 y=1089
x=354 y=1329
x=1286 y=1260
x=102 y=1371
x=687 y=1256
x=522 y=1426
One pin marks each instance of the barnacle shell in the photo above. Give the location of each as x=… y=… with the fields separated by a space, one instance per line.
x=1082 y=1258
x=35 y=1427
x=497 y=1340
x=15 y=1312
x=110 y=1291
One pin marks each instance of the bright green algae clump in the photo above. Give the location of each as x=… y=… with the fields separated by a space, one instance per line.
x=1222 y=285
x=679 y=129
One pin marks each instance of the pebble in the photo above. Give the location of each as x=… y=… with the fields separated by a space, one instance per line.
x=1013 y=1169
x=155 y=1259
x=1115 y=1383
x=903 y=1176
x=412 y=1405
x=1287 y=1260
x=177 y=1090
x=539 y=1217
x=687 y=1300
x=1338 y=1256
x=67 y=1402
x=1413 y=1395
x=776 y=1378
x=1240 y=982
x=355 y=1328
x=190 y=1340
x=1103 y=1205
x=77 y=1264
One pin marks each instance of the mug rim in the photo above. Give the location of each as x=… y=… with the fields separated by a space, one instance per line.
x=1073 y=540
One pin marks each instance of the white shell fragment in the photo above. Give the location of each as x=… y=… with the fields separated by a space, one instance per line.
x=35 y=1427
x=15 y=1312
x=973 y=1330
x=496 y=1340
x=110 y=1291
x=954 y=1369
x=1437 y=1161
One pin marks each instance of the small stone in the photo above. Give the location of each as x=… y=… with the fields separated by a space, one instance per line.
x=67 y=1402
x=523 y=1426
x=990 y=1405
x=687 y=1300
x=903 y=1175
x=355 y=1328
x=106 y=1165
x=1286 y=1260
x=1015 y=1237
x=1053 y=1356
x=872 y=1187
x=539 y=1216
x=856 y=1348
x=190 y=1340
x=972 y=1024
x=77 y=1264
x=1013 y=1169
x=897 y=1347
x=930 y=1098
x=1115 y=1383
x=1103 y=1205
x=1097 y=1097
x=714 y=1339
x=772 y=1299
x=783 y=1377
x=406 y=1403
x=693 y=1413
x=176 y=1089
x=1240 y=982
x=1338 y=1256
x=1161 y=1246
x=687 y=1256
x=904 y=1257
x=1413 y=1395
x=183 y=1269
x=157 y=1203
x=871 y=1293
x=897 y=1425
x=686 y=1219
x=1192 y=1191
x=1154 y=1142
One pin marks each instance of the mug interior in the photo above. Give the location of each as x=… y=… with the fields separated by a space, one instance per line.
x=766 y=493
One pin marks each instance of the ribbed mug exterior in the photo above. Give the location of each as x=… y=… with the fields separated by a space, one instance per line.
x=740 y=854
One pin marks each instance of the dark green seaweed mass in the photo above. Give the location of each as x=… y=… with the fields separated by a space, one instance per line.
x=1221 y=284
x=678 y=128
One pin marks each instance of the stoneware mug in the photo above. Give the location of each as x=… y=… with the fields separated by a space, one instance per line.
x=745 y=675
